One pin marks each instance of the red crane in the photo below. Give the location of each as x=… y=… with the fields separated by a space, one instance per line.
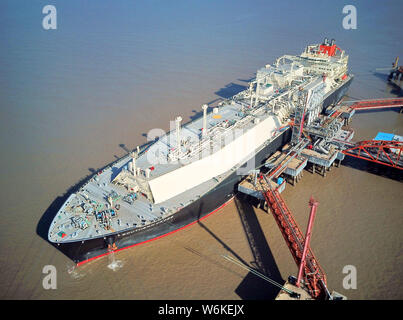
x=313 y=204
x=309 y=268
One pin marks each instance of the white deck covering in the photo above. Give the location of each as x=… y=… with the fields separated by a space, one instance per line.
x=235 y=152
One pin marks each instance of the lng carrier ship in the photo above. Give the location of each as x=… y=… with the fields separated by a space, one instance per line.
x=193 y=170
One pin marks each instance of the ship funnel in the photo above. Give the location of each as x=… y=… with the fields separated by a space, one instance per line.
x=326 y=41
x=332 y=42
x=204 y=107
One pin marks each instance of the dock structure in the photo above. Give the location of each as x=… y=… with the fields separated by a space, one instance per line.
x=310 y=270
x=321 y=162
x=345 y=112
x=250 y=187
x=375 y=104
x=302 y=291
x=348 y=108
x=294 y=169
x=322 y=142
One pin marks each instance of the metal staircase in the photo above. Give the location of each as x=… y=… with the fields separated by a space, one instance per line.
x=299 y=117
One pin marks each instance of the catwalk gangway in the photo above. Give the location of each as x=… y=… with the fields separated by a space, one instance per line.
x=375 y=104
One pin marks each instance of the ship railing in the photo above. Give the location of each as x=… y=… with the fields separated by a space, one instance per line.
x=213 y=140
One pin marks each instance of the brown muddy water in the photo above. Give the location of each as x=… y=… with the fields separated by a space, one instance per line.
x=72 y=100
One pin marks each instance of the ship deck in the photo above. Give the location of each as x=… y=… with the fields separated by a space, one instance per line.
x=138 y=214
x=142 y=211
x=82 y=216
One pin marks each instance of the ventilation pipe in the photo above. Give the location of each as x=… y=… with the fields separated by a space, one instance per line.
x=148 y=171
x=251 y=94
x=133 y=163
x=204 y=107
x=110 y=201
x=178 y=128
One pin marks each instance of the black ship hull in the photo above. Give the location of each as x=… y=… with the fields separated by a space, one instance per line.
x=335 y=96
x=87 y=250
x=84 y=251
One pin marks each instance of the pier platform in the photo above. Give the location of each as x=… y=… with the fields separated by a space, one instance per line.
x=304 y=295
x=252 y=187
x=324 y=161
x=294 y=168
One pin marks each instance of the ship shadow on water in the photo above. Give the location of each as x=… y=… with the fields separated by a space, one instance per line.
x=225 y=246
x=392 y=109
x=123 y=146
x=224 y=93
x=47 y=217
x=373 y=168
x=247 y=80
x=394 y=88
x=230 y=90
x=252 y=287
